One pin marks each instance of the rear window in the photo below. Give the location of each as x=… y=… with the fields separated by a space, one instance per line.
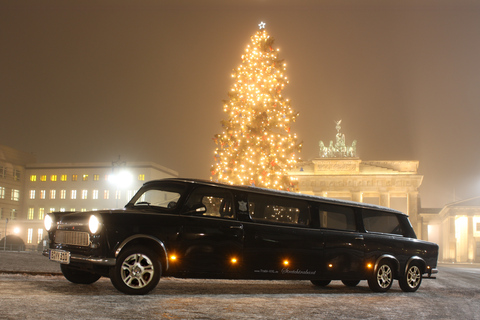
x=379 y=221
x=277 y=209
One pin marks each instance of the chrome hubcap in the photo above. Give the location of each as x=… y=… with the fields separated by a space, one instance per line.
x=137 y=270
x=413 y=276
x=384 y=276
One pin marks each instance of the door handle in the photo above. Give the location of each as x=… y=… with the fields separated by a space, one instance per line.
x=360 y=237
x=237 y=227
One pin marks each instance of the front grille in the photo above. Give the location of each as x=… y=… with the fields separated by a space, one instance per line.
x=74 y=238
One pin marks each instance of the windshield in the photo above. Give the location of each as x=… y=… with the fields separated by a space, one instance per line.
x=166 y=197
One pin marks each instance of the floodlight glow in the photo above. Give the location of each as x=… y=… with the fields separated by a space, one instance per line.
x=122 y=179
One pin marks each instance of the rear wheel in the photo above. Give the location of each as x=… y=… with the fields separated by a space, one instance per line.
x=411 y=280
x=321 y=283
x=381 y=279
x=351 y=283
x=78 y=276
x=137 y=271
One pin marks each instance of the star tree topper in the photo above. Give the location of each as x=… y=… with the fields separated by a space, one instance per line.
x=261 y=25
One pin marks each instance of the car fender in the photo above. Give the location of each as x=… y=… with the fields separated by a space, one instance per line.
x=388 y=257
x=136 y=237
x=415 y=258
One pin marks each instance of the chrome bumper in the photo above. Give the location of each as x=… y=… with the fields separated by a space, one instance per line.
x=85 y=259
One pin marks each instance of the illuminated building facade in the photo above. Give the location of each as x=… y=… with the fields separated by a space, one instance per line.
x=30 y=190
x=12 y=184
x=456 y=229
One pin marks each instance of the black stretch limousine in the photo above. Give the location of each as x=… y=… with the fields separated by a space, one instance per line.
x=199 y=229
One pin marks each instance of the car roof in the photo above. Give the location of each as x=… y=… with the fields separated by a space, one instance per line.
x=273 y=192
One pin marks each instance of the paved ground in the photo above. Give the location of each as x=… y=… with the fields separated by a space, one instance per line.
x=31 y=287
x=27 y=261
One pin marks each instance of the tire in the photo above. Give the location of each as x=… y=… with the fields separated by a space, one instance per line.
x=137 y=271
x=320 y=283
x=351 y=283
x=381 y=279
x=78 y=276
x=411 y=280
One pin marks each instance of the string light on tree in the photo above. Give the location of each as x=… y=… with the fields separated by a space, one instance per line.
x=257 y=146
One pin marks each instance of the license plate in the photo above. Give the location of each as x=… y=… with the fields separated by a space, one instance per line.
x=60 y=256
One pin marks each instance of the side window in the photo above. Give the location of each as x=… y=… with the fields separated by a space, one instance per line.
x=215 y=202
x=335 y=217
x=277 y=209
x=379 y=221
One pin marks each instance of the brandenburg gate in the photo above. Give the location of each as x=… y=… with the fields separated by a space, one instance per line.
x=338 y=173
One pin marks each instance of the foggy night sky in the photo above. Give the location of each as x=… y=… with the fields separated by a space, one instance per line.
x=86 y=81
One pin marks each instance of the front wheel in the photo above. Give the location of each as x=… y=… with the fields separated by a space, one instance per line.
x=411 y=280
x=137 y=271
x=78 y=276
x=381 y=279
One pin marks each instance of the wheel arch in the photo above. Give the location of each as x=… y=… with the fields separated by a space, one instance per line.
x=148 y=241
x=418 y=259
x=392 y=259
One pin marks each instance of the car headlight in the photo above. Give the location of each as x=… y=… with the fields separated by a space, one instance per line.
x=48 y=222
x=94 y=224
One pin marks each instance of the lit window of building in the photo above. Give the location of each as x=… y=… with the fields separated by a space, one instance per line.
x=63 y=194
x=83 y=210
x=118 y=194
x=29 y=235
x=15 y=195
x=52 y=210
x=95 y=194
x=62 y=209
x=96 y=177
x=72 y=209
x=16 y=175
x=2 y=193
x=32 y=194
x=41 y=213
x=13 y=214
x=33 y=177
x=85 y=177
x=31 y=213
x=53 y=194
x=106 y=194
x=43 y=177
x=141 y=177
x=53 y=177
x=73 y=195
x=40 y=235
x=3 y=172
x=64 y=177
x=74 y=177
x=84 y=194
x=42 y=194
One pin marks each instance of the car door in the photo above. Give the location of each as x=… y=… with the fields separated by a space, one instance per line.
x=279 y=241
x=344 y=256
x=210 y=240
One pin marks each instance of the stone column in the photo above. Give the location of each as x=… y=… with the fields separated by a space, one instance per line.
x=470 y=241
x=412 y=211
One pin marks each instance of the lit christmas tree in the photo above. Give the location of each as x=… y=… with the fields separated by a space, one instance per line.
x=256 y=146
